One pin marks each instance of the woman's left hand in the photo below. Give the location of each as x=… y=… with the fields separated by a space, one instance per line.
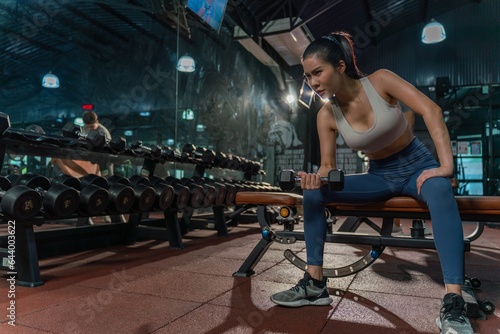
x=429 y=173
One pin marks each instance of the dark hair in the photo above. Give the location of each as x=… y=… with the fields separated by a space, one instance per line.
x=333 y=48
x=89 y=117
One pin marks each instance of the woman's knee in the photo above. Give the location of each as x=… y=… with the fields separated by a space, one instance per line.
x=437 y=188
x=313 y=198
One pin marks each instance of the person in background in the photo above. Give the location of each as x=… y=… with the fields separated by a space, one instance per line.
x=91 y=122
x=79 y=168
x=364 y=109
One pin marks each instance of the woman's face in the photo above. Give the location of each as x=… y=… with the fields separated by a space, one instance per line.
x=321 y=76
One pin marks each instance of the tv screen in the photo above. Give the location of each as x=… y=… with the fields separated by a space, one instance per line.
x=306 y=95
x=209 y=11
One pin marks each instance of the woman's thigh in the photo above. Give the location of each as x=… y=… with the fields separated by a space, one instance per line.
x=360 y=189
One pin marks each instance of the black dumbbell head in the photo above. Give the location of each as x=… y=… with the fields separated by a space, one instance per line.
x=94 y=179
x=60 y=201
x=71 y=130
x=287 y=180
x=336 y=179
x=93 y=200
x=96 y=139
x=144 y=197
x=68 y=180
x=34 y=181
x=164 y=196
x=118 y=144
x=121 y=198
x=114 y=179
x=5 y=183
x=21 y=202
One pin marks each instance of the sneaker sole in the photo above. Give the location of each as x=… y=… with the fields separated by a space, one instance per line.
x=438 y=323
x=305 y=302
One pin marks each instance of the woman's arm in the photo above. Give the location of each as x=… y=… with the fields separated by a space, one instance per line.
x=394 y=86
x=327 y=141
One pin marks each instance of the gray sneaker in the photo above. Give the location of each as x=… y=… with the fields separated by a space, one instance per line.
x=452 y=318
x=304 y=293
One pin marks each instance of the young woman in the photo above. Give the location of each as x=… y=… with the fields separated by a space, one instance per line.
x=366 y=112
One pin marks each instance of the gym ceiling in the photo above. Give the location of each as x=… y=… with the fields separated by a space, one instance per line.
x=50 y=29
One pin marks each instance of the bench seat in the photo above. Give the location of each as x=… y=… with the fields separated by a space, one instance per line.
x=468 y=205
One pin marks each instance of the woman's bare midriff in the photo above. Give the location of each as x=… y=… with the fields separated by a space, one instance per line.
x=403 y=141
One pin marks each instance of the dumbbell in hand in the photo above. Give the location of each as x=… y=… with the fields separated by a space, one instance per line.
x=94 y=138
x=335 y=180
x=59 y=200
x=19 y=202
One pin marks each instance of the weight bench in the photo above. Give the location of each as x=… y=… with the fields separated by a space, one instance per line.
x=478 y=209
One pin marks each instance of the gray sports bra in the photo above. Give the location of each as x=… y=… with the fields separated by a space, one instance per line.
x=389 y=123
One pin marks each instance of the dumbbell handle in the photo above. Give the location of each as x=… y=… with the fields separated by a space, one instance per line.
x=335 y=180
x=298 y=179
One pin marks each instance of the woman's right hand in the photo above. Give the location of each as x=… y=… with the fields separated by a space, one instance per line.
x=309 y=181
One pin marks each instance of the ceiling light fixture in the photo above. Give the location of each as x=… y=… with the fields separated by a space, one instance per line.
x=433 y=32
x=50 y=81
x=186 y=64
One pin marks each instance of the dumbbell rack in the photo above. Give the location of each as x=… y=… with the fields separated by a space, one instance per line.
x=31 y=245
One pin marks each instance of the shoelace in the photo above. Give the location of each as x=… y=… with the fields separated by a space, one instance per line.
x=301 y=284
x=454 y=311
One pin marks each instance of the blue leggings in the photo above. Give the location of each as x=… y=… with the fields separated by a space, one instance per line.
x=389 y=177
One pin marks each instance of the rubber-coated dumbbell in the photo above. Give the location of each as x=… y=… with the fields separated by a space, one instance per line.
x=164 y=193
x=117 y=144
x=121 y=196
x=220 y=159
x=144 y=194
x=59 y=200
x=181 y=193
x=94 y=138
x=209 y=191
x=138 y=147
x=206 y=155
x=220 y=189
x=93 y=199
x=196 y=196
x=335 y=180
x=19 y=202
x=231 y=190
x=170 y=154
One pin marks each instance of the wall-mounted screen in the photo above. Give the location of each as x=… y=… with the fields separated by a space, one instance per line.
x=209 y=11
x=306 y=95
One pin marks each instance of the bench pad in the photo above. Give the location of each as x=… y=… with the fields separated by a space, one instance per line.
x=485 y=205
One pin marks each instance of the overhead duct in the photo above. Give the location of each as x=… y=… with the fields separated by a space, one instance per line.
x=290 y=44
x=287 y=42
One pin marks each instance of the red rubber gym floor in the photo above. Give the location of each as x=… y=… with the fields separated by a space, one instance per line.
x=149 y=288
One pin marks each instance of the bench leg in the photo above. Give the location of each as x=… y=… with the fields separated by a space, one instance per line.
x=260 y=249
x=251 y=261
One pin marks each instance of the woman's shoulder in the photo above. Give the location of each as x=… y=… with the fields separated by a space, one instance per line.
x=382 y=74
